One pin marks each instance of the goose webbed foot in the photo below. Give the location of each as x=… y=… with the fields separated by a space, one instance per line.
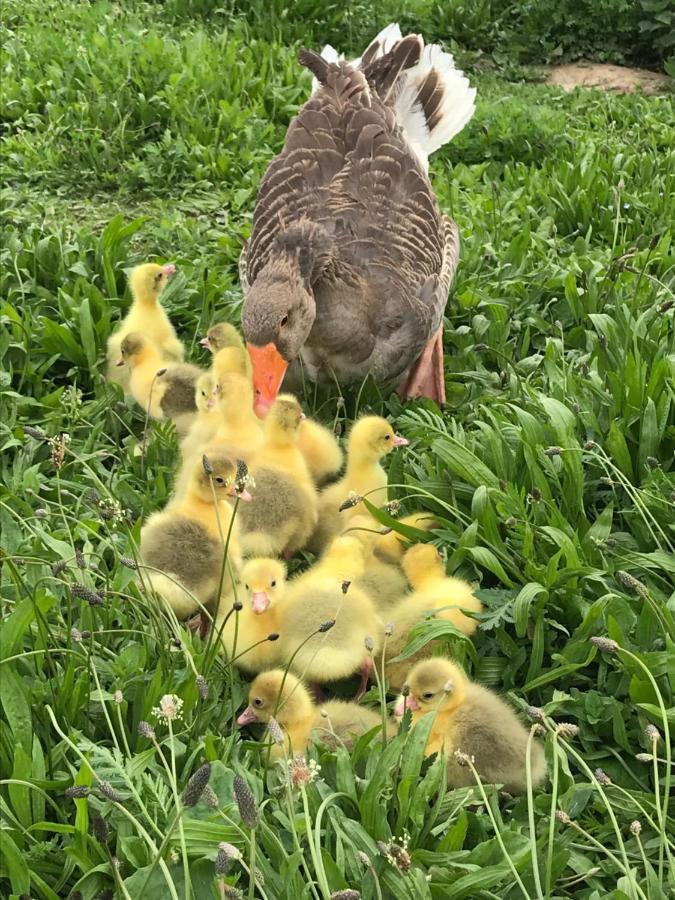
x=317 y=693
x=427 y=376
x=365 y=671
x=198 y=623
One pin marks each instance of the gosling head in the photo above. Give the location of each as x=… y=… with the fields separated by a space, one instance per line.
x=285 y=415
x=131 y=349
x=149 y=280
x=434 y=684
x=222 y=335
x=267 y=698
x=264 y=580
x=218 y=473
x=421 y=562
x=373 y=437
x=235 y=394
x=345 y=558
x=205 y=393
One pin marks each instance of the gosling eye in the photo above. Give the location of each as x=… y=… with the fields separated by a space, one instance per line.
x=259 y=702
x=273 y=583
x=219 y=479
x=387 y=437
x=428 y=695
x=284 y=321
x=247 y=587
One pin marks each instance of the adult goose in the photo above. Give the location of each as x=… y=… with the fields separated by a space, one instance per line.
x=349 y=261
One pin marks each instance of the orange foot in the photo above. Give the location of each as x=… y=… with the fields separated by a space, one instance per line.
x=427 y=376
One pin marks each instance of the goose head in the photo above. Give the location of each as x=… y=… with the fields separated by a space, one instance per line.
x=277 y=317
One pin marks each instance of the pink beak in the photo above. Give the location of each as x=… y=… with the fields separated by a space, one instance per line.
x=205 y=342
x=247 y=717
x=169 y=269
x=400 y=441
x=211 y=402
x=243 y=495
x=259 y=602
x=404 y=703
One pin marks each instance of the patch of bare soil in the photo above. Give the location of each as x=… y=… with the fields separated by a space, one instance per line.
x=605 y=77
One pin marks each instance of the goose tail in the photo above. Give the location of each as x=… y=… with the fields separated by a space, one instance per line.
x=433 y=99
x=434 y=103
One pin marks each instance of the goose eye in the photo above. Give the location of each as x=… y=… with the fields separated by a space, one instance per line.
x=247 y=587
x=273 y=583
x=259 y=702
x=387 y=437
x=219 y=479
x=427 y=695
x=284 y=321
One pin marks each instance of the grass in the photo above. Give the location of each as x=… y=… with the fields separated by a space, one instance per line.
x=135 y=131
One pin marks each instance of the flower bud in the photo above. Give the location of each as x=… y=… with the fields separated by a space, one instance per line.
x=248 y=808
x=195 y=786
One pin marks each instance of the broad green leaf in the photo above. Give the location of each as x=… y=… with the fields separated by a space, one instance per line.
x=489 y=561
x=15 y=626
x=522 y=603
x=618 y=450
x=463 y=463
x=430 y=630
x=16 y=704
x=15 y=864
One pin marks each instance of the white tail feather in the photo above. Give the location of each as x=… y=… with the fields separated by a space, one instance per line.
x=457 y=105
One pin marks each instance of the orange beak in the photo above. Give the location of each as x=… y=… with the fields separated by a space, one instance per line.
x=269 y=368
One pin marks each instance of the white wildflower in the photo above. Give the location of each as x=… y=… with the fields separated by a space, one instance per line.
x=301 y=772
x=170 y=707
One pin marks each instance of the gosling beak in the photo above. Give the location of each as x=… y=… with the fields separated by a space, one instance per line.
x=210 y=402
x=259 y=602
x=404 y=703
x=247 y=717
x=400 y=441
x=269 y=368
x=206 y=343
x=120 y=362
x=169 y=269
x=243 y=494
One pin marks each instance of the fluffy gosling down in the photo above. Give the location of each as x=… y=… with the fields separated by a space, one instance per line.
x=283 y=697
x=283 y=513
x=474 y=721
x=240 y=432
x=245 y=636
x=230 y=356
x=169 y=395
x=383 y=577
x=182 y=544
x=146 y=316
x=325 y=593
x=434 y=593
x=370 y=440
